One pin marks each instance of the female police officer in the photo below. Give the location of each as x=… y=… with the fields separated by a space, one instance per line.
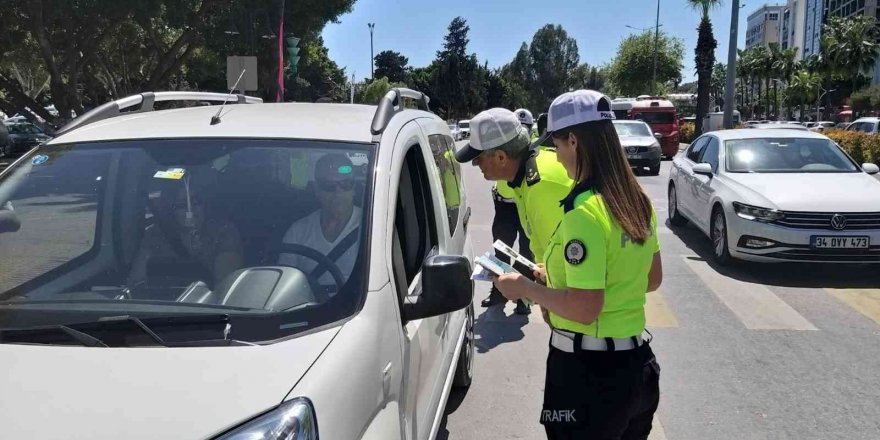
x=602 y=378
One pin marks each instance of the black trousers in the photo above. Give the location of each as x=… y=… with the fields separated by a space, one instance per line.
x=601 y=395
x=506 y=227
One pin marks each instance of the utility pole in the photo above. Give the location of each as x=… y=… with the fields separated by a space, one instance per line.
x=729 y=88
x=656 y=38
x=372 y=69
x=352 y=87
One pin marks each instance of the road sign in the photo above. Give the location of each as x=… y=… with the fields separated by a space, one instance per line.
x=234 y=66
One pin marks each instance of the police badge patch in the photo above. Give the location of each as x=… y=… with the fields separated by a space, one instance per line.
x=575 y=252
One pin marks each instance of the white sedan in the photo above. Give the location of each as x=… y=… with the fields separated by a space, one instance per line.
x=780 y=195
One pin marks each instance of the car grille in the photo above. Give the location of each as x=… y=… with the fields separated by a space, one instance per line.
x=636 y=150
x=859 y=221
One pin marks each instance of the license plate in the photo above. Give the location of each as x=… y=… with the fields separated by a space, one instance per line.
x=820 y=242
x=633 y=156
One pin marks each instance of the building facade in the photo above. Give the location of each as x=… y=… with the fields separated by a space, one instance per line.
x=791 y=30
x=764 y=26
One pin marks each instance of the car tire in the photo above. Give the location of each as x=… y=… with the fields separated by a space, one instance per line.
x=464 y=369
x=675 y=216
x=655 y=170
x=718 y=234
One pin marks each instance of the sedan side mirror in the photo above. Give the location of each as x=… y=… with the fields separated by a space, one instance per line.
x=703 y=168
x=658 y=136
x=446 y=287
x=870 y=168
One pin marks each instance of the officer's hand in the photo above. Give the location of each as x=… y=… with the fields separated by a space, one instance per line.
x=513 y=285
x=545 y=314
x=540 y=273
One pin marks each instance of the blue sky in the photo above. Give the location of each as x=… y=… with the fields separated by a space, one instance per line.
x=416 y=28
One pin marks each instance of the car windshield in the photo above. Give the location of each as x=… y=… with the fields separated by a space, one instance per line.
x=464 y=125
x=269 y=232
x=631 y=129
x=786 y=155
x=23 y=129
x=655 y=117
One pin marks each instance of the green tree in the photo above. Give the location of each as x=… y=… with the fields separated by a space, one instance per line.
x=377 y=88
x=850 y=45
x=704 y=58
x=554 y=60
x=634 y=63
x=392 y=65
x=803 y=88
x=318 y=76
x=457 y=81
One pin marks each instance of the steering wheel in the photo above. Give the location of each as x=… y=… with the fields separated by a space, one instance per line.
x=318 y=257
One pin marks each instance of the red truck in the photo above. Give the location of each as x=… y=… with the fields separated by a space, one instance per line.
x=661 y=115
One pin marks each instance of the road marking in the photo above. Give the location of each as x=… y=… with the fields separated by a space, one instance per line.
x=657 y=432
x=864 y=301
x=657 y=312
x=756 y=306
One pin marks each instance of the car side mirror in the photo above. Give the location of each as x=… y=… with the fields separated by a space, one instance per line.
x=658 y=136
x=446 y=287
x=703 y=168
x=870 y=168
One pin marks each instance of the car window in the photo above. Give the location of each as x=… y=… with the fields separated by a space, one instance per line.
x=232 y=226
x=786 y=155
x=696 y=149
x=655 y=117
x=415 y=233
x=443 y=150
x=632 y=129
x=710 y=154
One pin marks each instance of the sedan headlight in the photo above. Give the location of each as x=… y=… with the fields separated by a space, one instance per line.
x=292 y=420
x=764 y=215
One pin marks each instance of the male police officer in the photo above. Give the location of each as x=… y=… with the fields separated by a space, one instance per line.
x=499 y=145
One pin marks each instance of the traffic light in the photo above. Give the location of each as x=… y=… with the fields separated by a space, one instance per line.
x=293 y=53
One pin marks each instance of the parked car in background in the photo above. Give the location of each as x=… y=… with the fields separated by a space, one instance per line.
x=821 y=126
x=172 y=278
x=24 y=136
x=464 y=129
x=642 y=148
x=456 y=133
x=661 y=115
x=745 y=189
x=866 y=125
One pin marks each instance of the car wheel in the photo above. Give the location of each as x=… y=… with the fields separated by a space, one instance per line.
x=719 y=237
x=464 y=370
x=675 y=216
x=655 y=170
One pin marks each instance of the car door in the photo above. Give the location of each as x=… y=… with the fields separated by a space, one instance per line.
x=686 y=186
x=705 y=186
x=415 y=237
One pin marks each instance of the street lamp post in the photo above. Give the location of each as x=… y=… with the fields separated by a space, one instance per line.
x=730 y=84
x=818 y=100
x=372 y=69
x=656 y=37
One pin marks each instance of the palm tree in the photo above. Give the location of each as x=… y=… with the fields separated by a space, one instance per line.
x=704 y=58
x=761 y=63
x=719 y=76
x=804 y=84
x=851 y=45
x=785 y=66
x=742 y=73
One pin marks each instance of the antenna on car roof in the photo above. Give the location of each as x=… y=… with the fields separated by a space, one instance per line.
x=216 y=118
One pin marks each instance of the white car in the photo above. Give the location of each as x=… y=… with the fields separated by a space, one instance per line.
x=456 y=133
x=778 y=126
x=464 y=129
x=166 y=282
x=867 y=125
x=777 y=195
x=820 y=127
x=642 y=148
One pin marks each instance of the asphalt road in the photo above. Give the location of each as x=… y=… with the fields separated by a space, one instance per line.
x=750 y=352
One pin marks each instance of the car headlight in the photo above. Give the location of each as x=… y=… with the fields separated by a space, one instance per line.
x=292 y=420
x=756 y=213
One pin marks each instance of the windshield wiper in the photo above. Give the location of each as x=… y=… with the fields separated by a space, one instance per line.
x=129 y=331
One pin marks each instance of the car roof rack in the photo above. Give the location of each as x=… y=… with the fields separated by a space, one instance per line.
x=144 y=103
x=391 y=104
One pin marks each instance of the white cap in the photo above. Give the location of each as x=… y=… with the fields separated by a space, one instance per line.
x=490 y=129
x=573 y=108
x=525 y=116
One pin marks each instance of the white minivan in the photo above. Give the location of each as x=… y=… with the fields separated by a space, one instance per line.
x=271 y=271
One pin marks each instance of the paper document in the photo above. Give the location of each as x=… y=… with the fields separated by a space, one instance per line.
x=514 y=255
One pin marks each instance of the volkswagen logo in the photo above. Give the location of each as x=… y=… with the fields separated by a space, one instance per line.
x=838 y=222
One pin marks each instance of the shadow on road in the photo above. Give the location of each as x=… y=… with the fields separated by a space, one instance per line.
x=810 y=275
x=494 y=327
